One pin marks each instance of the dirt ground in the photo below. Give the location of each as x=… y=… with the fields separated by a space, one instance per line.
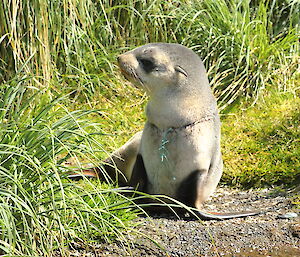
x=263 y=235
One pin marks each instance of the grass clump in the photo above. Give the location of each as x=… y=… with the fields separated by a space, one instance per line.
x=242 y=43
x=261 y=143
x=42 y=211
x=240 y=46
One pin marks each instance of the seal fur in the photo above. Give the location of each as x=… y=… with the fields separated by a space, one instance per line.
x=181 y=100
x=178 y=152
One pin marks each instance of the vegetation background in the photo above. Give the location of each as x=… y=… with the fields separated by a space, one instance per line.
x=63 y=98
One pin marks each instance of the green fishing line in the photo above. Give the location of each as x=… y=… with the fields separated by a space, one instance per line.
x=163 y=151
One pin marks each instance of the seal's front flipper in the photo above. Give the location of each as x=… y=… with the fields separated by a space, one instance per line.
x=118 y=167
x=139 y=178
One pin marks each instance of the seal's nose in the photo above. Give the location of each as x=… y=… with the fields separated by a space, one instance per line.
x=127 y=60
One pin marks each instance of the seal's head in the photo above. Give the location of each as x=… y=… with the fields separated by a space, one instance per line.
x=160 y=65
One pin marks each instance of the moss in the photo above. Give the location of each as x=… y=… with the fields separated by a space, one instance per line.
x=261 y=143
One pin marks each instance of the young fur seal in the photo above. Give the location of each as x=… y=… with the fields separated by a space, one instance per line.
x=178 y=152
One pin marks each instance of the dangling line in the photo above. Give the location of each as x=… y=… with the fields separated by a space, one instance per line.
x=162 y=147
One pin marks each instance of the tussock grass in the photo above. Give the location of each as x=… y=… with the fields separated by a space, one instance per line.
x=239 y=46
x=75 y=43
x=41 y=211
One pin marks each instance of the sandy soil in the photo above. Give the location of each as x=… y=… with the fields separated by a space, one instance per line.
x=263 y=235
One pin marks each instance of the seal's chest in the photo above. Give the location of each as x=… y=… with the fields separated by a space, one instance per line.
x=165 y=160
x=161 y=146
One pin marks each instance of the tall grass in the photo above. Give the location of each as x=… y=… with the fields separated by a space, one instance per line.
x=75 y=42
x=41 y=211
x=239 y=46
x=72 y=41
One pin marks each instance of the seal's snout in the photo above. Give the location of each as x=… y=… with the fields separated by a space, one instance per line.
x=127 y=63
x=127 y=58
x=123 y=63
x=128 y=66
x=121 y=59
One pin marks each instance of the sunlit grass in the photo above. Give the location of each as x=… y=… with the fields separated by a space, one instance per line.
x=242 y=43
x=42 y=211
x=261 y=144
x=238 y=45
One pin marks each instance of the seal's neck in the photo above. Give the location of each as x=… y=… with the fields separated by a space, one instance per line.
x=170 y=109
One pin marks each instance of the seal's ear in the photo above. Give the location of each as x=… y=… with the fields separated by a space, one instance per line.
x=181 y=70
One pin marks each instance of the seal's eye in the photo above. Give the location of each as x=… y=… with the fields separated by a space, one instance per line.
x=147 y=64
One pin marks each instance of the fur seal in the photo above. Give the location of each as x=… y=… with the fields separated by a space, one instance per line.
x=178 y=152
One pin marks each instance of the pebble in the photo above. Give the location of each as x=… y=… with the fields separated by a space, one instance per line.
x=288 y=215
x=295 y=229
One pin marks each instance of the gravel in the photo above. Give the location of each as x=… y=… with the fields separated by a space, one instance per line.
x=265 y=235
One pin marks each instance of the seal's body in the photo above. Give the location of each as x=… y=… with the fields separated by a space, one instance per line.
x=178 y=153
x=180 y=144
x=185 y=162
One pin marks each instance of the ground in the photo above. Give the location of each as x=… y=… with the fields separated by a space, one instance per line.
x=263 y=235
